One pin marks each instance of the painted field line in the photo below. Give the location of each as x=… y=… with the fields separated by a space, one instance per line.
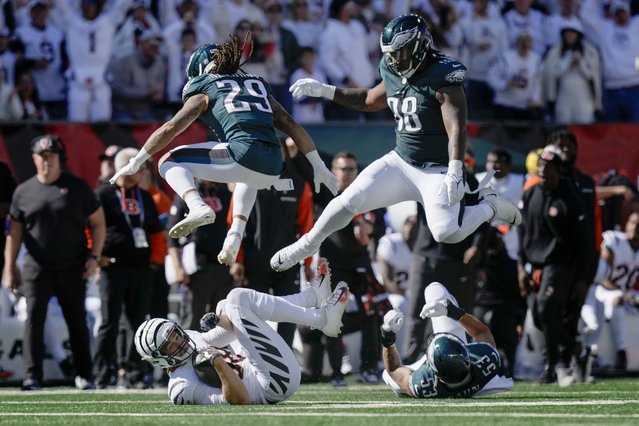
x=341 y=414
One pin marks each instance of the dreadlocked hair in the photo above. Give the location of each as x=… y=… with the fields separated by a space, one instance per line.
x=228 y=55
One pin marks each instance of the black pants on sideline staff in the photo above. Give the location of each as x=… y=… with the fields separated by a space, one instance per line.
x=39 y=285
x=208 y=286
x=120 y=286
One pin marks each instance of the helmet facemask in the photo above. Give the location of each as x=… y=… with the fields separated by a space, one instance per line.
x=152 y=338
x=406 y=51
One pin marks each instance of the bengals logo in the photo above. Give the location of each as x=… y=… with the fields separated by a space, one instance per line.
x=132 y=207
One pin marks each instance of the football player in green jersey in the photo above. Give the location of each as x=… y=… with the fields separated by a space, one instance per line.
x=452 y=367
x=240 y=109
x=424 y=89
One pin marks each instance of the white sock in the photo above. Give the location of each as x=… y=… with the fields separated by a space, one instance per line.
x=334 y=217
x=474 y=217
x=193 y=199
x=181 y=180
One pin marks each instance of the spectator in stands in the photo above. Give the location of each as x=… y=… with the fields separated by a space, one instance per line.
x=208 y=281
x=443 y=23
x=131 y=219
x=89 y=37
x=572 y=78
x=259 y=51
x=138 y=21
x=227 y=15
x=10 y=106
x=138 y=80
x=308 y=110
x=566 y=15
x=177 y=63
x=49 y=213
x=516 y=79
x=45 y=58
x=306 y=30
x=285 y=41
x=7 y=57
x=107 y=164
x=32 y=108
x=189 y=17
x=344 y=53
x=523 y=18
x=616 y=39
x=278 y=219
x=553 y=239
x=484 y=41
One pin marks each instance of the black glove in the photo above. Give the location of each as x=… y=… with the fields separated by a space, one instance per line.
x=453 y=311
x=209 y=321
x=388 y=337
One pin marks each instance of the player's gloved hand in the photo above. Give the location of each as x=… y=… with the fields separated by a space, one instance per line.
x=393 y=321
x=312 y=88
x=209 y=321
x=440 y=308
x=132 y=167
x=452 y=188
x=321 y=174
x=207 y=355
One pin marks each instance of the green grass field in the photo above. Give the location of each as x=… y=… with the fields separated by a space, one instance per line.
x=610 y=401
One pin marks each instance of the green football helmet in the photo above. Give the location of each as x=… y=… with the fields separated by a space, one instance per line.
x=201 y=60
x=405 y=43
x=449 y=358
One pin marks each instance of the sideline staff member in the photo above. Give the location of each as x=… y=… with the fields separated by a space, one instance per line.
x=49 y=212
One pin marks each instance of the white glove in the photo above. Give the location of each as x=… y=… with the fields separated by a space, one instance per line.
x=312 y=88
x=452 y=188
x=435 y=308
x=393 y=321
x=132 y=167
x=321 y=175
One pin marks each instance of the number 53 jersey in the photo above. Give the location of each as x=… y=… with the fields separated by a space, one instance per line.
x=485 y=364
x=240 y=113
x=421 y=136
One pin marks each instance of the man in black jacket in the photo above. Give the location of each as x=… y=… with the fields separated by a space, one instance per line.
x=553 y=240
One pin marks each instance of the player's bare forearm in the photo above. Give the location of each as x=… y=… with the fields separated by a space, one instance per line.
x=190 y=111
x=283 y=121
x=391 y=358
x=97 y=223
x=400 y=374
x=233 y=388
x=477 y=330
x=454 y=115
x=362 y=99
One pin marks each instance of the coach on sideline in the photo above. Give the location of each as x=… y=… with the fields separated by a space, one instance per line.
x=49 y=212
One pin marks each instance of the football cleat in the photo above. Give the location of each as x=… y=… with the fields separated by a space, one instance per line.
x=230 y=248
x=503 y=209
x=321 y=285
x=293 y=254
x=201 y=215
x=334 y=308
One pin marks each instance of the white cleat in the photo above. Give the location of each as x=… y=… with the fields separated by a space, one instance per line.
x=504 y=210
x=334 y=309
x=322 y=282
x=230 y=248
x=202 y=215
x=291 y=255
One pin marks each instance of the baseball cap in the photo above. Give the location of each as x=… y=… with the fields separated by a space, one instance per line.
x=123 y=156
x=151 y=35
x=46 y=143
x=110 y=152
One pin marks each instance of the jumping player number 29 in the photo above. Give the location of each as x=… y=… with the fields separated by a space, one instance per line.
x=254 y=88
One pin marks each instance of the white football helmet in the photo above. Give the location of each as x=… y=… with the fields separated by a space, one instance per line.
x=152 y=335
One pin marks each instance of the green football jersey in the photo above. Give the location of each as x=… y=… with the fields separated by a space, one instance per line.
x=421 y=136
x=485 y=364
x=240 y=114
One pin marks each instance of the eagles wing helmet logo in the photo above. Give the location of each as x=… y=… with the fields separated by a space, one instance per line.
x=456 y=76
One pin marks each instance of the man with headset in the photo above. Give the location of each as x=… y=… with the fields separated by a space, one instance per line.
x=49 y=213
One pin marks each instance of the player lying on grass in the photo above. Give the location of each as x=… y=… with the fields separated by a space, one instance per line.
x=262 y=368
x=452 y=367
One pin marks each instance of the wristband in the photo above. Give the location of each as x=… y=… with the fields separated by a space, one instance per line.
x=387 y=337
x=453 y=311
x=314 y=159
x=142 y=156
x=455 y=166
x=328 y=91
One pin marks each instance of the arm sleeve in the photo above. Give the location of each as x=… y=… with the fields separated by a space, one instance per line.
x=219 y=337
